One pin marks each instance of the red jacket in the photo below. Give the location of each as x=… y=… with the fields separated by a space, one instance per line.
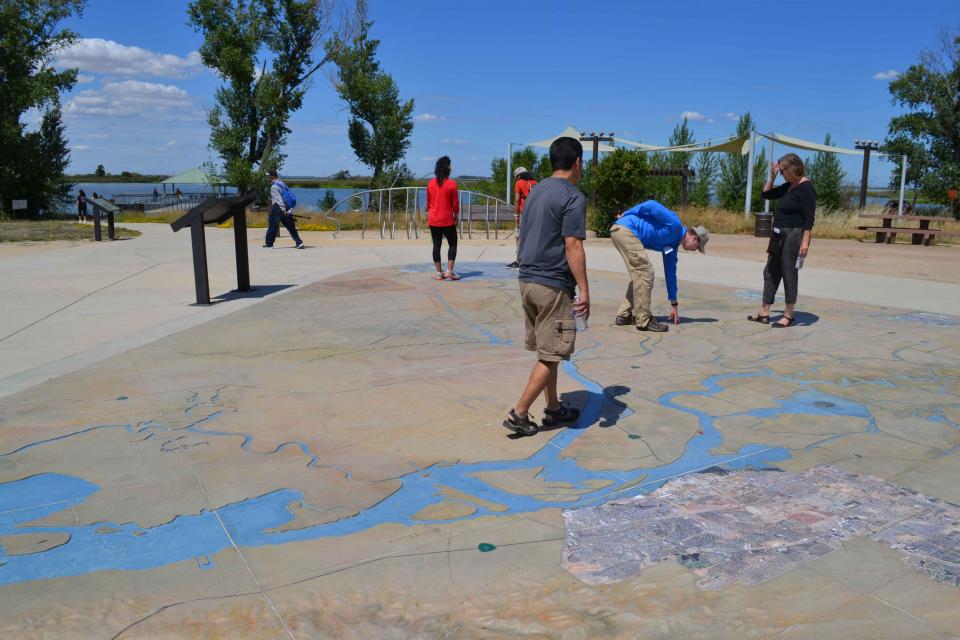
x=443 y=203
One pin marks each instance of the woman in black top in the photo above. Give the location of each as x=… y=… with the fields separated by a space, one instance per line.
x=789 y=237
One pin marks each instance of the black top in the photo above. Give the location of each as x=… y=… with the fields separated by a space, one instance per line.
x=796 y=206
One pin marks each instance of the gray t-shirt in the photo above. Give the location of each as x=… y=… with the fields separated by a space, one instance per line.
x=554 y=210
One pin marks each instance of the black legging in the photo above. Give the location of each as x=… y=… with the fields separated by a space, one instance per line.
x=450 y=233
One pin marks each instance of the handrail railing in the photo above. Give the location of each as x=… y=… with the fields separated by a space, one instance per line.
x=412 y=213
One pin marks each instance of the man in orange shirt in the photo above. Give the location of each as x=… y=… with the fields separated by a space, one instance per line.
x=521 y=191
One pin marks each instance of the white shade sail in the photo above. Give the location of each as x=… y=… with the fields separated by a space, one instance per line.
x=797 y=143
x=571 y=132
x=733 y=144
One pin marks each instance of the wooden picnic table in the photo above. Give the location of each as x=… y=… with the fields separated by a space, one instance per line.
x=922 y=234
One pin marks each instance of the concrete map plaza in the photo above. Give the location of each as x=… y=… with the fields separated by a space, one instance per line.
x=323 y=457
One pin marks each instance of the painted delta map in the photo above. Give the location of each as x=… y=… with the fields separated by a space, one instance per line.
x=310 y=446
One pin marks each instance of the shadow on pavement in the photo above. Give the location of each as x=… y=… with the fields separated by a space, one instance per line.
x=260 y=291
x=611 y=409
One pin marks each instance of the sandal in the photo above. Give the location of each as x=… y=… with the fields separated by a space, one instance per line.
x=450 y=275
x=522 y=425
x=439 y=275
x=759 y=318
x=556 y=416
x=777 y=325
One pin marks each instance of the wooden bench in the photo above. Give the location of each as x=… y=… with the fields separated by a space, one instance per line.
x=920 y=235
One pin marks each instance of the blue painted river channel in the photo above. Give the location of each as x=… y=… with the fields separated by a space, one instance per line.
x=252 y=522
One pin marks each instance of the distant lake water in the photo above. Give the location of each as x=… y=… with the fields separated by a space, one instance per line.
x=307 y=198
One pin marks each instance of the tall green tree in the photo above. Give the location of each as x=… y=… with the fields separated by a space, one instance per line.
x=49 y=157
x=732 y=185
x=667 y=189
x=100 y=172
x=918 y=163
x=29 y=36
x=705 y=174
x=929 y=92
x=264 y=51
x=827 y=175
x=380 y=123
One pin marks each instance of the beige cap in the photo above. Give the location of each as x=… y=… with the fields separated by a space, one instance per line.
x=704 y=236
x=518 y=171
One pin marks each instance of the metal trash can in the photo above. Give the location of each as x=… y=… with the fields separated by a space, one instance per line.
x=763 y=222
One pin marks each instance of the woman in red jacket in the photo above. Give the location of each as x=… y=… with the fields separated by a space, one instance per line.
x=443 y=207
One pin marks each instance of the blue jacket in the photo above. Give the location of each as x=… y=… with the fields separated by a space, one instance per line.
x=659 y=229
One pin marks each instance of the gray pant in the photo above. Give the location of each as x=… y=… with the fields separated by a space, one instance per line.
x=782 y=252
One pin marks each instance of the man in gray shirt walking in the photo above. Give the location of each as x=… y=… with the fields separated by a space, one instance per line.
x=552 y=264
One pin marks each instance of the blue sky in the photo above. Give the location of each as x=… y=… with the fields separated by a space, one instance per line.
x=485 y=74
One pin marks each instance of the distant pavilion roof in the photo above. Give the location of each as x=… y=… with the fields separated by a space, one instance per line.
x=194 y=176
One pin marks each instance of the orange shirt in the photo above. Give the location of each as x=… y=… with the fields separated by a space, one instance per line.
x=521 y=190
x=442 y=203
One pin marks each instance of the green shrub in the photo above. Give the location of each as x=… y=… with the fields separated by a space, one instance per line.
x=620 y=181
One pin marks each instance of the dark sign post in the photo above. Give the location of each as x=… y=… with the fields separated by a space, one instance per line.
x=101 y=207
x=866 y=146
x=215 y=211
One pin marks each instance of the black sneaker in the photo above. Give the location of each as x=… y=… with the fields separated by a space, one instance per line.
x=621 y=321
x=556 y=416
x=653 y=325
x=513 y=265
x=267 y=246
x=520 y=424
x=300 y=245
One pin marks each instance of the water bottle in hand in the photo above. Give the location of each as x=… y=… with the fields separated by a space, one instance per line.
x=800 y=262
x=580 y=320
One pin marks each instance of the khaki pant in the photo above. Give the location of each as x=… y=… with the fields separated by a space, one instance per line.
x=639 y=290
x=549 y=327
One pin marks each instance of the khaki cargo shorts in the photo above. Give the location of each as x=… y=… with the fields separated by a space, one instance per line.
x=550 y=329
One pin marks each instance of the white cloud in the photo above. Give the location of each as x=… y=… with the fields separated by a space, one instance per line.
x=106 y=56
x=82 y=79
x=166 y=147
x=730 y=115
x=891 y=74
x=428 y=158
x=80 y=147
x=429 y=117
x=96 y=136
x=453 y=141
x=130 y=98
x=695 y=116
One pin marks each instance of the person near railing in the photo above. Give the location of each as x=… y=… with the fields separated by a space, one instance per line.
x=279 y=214
x=443 y=208
x=82 y=206
x=521 y=191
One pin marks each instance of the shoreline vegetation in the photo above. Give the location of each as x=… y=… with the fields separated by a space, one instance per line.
x=838 y=225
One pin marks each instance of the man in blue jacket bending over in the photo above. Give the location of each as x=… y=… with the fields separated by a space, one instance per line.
x=650 y=225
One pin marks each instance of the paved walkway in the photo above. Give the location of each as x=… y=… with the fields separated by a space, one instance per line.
x=67 y=308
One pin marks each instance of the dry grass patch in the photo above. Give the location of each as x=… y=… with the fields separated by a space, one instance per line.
x=47 y=230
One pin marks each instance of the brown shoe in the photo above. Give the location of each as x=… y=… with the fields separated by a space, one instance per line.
x=621 y=320
x=653 y=325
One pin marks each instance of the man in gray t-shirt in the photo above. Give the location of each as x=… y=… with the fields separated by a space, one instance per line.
x=552 y=264
x=555 y=210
